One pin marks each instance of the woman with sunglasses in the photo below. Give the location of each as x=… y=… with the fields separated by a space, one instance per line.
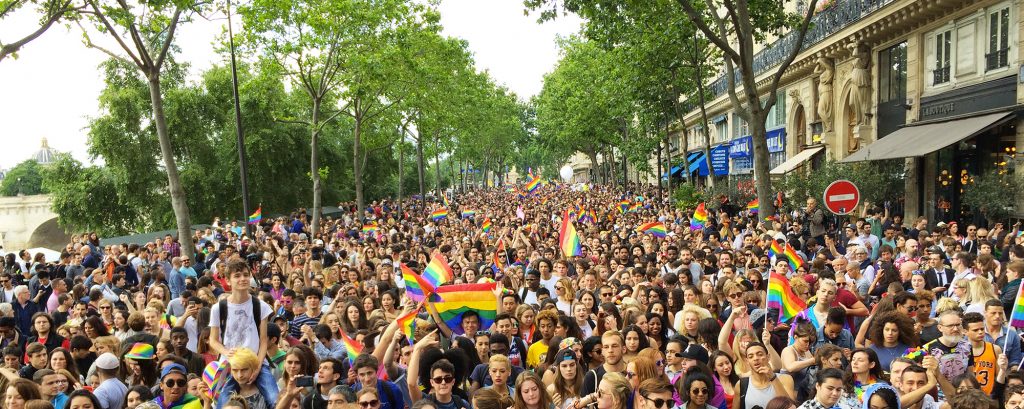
x=368 y=398
x=697 y=391
x=568 y=379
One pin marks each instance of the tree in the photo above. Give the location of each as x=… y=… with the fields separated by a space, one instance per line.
x=144 y=34
x=86 y=198
x=50 y=11
x=26 y=178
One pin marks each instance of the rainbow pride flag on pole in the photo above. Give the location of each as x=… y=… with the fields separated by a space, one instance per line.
x=1017 y=315
x=256 y=216
x=370 y=227
x=407 y=324
x=486 y=225
x=533 y=184
x=753 y=206
x=468 y=214
x=700 y=217
x=438 y=272
x=439 y=214
x=788 y=252
x=352 y=348
x=457 y=299
x=416 y=287
x=781 y=296
x=569 y=240
x=657 y=229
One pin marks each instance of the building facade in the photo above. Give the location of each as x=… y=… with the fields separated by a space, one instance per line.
x=933 y=83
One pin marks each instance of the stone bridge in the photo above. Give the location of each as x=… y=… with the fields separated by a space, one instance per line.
x=27 y=222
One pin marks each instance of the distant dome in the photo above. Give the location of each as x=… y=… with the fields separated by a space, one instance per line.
x=46 y=154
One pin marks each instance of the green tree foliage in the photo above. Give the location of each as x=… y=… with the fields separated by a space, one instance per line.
x=990 y=194
x=877 y=181
x=49 y=12
x=25 y=178
x=87 y=198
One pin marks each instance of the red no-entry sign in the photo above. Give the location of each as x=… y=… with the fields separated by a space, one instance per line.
x=841 y=197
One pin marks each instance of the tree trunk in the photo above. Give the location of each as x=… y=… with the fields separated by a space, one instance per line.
x=401 y=169
x=661 y=185
x=177 y=191
x=357 y=163
x=611 y=166
x=314 y=167
x=420 y=170
x=761 y=177
x=451 y=171
x=437 y=163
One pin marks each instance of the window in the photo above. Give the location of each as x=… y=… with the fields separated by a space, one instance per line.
x=943 y=55
x=777 y=115
x=892 y=73
x=998 y=39
x=723 y=131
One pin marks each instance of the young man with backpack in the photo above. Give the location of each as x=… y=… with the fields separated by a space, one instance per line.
x=240 y=321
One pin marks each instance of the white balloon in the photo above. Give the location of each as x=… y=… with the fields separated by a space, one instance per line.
x=566 y=173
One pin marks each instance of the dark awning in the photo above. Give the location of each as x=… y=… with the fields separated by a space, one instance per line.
x=919 y=140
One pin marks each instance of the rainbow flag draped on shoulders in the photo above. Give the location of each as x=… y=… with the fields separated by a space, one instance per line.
x=657 y=229
x=569 y=240
x=700 y=217
x=256 y=216
x=457 y=299
x=781 y=296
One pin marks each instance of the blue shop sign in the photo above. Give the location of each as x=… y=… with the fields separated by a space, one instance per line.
x=741 y=147
x=720 y=160
x=777 y=140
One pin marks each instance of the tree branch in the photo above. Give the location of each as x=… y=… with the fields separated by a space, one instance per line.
x=773 y=89
x=136 y=37
x=11 y=48
x=110 y=29
x=88 y=43
x=698 y=20
x=170 y=37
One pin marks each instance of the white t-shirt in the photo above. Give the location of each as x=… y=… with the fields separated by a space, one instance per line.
x=240 y=331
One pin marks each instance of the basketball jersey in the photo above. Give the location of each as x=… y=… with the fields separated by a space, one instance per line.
x=985 y=368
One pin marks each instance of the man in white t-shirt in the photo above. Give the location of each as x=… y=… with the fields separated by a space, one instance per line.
x=241 y=332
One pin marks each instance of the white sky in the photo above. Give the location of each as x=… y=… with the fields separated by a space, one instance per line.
x=52 y=88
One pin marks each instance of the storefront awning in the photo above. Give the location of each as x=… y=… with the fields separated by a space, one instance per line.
x=920 y=140
x=796 y=161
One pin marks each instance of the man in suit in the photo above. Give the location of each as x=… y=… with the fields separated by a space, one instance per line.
x=938 y=278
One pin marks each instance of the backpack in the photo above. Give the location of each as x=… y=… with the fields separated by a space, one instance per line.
x=223 y=306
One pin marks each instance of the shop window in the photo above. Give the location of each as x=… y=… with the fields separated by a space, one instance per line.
x=998 y=52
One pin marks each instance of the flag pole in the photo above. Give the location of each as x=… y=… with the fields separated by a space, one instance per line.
x=1009 y=325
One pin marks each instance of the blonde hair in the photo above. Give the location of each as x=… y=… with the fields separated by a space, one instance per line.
x=111 y=342
x=945 y=303
x=244 y=358
x=981 y=290
x=568 y=290
x=500 y=360
x=620 y=388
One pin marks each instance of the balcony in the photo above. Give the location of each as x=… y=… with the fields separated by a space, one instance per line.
x=997 y=59
x=940 y=75
x=824 y=24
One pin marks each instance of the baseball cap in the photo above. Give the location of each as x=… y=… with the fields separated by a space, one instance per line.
x=173 y=368
x=695 y=352
x=107 y=361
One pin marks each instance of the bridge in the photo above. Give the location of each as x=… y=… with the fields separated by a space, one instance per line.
x=27 y=222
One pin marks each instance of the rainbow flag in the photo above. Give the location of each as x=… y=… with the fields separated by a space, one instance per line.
x=623 y=205
x=700 y=217
x=444 y=199
x=416 y=287
x=635 y=207
x=486 y=225
x=1017 y=315
x=214 y=375
x=533 y=185
x=407 y=324
x=656 y=228
x=781 y=296
x=457 y=299
x=167 y=321
x=438 y=272
x=753 y=206
x=569 y=241
x=370 y=227
x=352 y=347
x=256 y=216
x=468 y=214
x=499 y=253
x=439 y=214
x=788 y=252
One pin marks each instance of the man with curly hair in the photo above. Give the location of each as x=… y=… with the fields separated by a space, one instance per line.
x=545 y=321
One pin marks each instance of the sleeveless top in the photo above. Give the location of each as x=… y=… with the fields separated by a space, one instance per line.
x=985 y=368
x=754 y=396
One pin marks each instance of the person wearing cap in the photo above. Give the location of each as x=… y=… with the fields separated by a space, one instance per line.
x=174 y=389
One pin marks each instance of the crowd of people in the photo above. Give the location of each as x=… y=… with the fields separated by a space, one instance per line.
x=899 y=314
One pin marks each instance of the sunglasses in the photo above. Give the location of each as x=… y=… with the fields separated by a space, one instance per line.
x=735 y=295
x=699 y=391
x=443 y=380
x=662 y=403
x=181 y=383
x=630 y=375
x=369 y=404
x=606 y=294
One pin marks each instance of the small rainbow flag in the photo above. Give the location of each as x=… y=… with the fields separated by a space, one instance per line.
x=407 y=324
x=466 y=297
x=623 y=205
x=167 y=321
x=416 y=287
x=753 y=206
x=533 y=185
x=656 y=228
x=370 y=227
x=1017 y=315
x=788 y=252
x=468 y=214
x=486 y=225
x=569 y=241
x=352 y=347
x=256 y=216
x=214 y=375
x=781 y=296
x=635 y=207
x=444 y=199
x=439 y=214
x=700 y=217
x=438 y=272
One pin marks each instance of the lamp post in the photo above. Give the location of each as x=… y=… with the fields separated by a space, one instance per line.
x=243 y=164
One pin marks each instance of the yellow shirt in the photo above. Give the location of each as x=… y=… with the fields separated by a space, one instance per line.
x=533 y=356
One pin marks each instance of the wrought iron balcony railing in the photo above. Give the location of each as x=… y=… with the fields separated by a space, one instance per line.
x=940 y=75
x=997 y=59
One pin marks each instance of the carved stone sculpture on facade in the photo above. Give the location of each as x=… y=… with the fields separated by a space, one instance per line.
x=826 y=73
x=860 y=81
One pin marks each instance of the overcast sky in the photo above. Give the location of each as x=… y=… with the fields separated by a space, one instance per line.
x=51 y=89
